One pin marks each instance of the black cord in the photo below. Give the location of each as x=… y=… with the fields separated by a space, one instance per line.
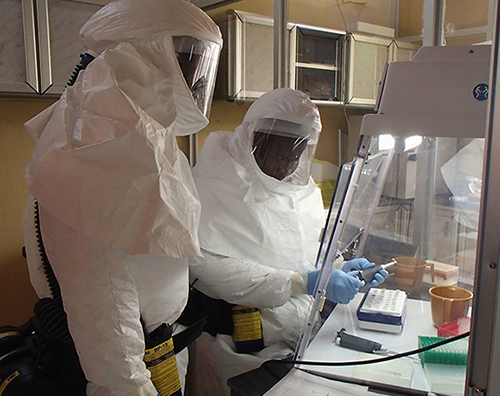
x=370 y=361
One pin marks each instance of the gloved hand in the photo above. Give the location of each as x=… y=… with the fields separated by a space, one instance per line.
x=341 y=288
x=378 y=279
x=357 y=264
x=361 y=264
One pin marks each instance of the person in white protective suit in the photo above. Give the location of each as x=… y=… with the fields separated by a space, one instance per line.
x=118 y=207
x=262 y=216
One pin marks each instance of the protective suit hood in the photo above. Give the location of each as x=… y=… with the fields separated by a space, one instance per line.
x=285 y=104
x=110 y=137
x=149 y=26
x=282 y=104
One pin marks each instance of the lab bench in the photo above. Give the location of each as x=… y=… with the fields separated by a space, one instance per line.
x=404 y=374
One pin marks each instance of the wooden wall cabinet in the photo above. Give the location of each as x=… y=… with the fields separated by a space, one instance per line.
x=366 y=59
x=246 y=65
x=41 y=46
x=330 y=66
x=402 y=51
x=247 y=62
x=316 y=62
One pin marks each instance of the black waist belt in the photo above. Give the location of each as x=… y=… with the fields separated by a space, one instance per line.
x=216 y=312
x=195 y=320
x=203 y=313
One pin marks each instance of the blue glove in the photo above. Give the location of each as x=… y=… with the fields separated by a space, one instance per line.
x=357 y=264
x=361 y=264
x=341 y=288
x=379 y=278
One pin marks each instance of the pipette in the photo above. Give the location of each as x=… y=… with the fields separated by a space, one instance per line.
x=367 y=275
x=357 y=343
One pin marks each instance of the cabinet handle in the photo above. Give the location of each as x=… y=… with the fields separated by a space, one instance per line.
x=30 y=48
x=44 y=57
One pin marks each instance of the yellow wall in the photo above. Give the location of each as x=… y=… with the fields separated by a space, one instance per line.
x=16 y=294
x=322 y=13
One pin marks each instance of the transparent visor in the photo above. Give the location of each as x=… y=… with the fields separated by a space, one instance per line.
x=283 y=150
x=198 y=60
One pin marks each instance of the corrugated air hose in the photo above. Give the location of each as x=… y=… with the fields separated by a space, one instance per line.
x=85 y=60
x=50 y=311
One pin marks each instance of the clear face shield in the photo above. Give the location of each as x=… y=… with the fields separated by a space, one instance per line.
x=284 y=150
x=198 y=60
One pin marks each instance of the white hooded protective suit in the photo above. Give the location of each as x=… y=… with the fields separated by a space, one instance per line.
x=119 y=211
x=257 y=233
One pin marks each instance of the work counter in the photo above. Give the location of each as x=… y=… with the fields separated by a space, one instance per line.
x=404 y=374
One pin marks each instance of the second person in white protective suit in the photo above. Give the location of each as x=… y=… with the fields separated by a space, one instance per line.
x=262 y=216
x=118 y=207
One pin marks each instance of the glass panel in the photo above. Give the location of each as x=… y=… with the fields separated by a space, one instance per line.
x=403 y=51
x=433 y=217
x=314 y=46
x=12 y=66
x=11 y=44
x=319 y=84
x=416 y=198
x=458 y=30
x=65 y=20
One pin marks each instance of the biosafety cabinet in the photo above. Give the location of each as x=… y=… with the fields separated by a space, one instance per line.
x=412 y=200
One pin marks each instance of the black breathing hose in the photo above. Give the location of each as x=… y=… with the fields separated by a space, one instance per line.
x=50 y=311
x=54 y=287
x=85 y=60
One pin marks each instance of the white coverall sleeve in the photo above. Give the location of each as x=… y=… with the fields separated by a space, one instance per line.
x=245 y=282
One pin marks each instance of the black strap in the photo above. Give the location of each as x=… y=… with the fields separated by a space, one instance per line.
x=218 y=313
x=195 y=320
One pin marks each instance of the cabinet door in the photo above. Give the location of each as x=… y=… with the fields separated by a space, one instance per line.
x=402 y=51
x=250 y=57
x=316 y=57
x=40 y=44
x=367 y=56
x=65 y=20
x=13 y=76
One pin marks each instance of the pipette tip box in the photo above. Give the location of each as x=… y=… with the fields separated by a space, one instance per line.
x=444 y=366
x=382 y=310
x=454 y=353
